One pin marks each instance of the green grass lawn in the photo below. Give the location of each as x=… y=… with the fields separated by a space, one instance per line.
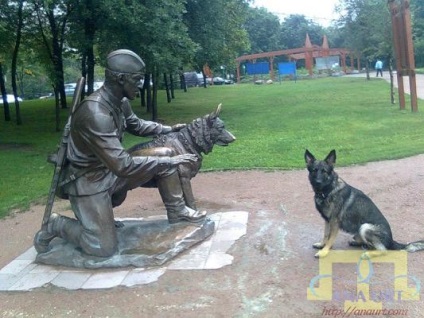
x=274 y=124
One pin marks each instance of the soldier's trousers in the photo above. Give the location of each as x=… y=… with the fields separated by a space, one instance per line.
x=94 y=230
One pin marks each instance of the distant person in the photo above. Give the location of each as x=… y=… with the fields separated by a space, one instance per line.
x=379 y=67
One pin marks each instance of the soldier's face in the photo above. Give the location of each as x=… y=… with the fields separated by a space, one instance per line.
x=130 y=87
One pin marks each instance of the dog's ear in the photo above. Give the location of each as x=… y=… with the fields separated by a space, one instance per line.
x=331 y=158
x=217 y=111
x=309 y=158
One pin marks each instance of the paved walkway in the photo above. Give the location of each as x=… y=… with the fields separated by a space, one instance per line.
x=386 y=76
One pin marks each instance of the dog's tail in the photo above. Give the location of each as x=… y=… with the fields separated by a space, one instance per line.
x=409 y=247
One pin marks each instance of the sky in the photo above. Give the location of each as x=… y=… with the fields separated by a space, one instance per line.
x=321 y=11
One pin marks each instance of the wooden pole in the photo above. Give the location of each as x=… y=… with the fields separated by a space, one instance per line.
x=271 y=67
x=397 y=40
x=410 y=55
x=404 y=50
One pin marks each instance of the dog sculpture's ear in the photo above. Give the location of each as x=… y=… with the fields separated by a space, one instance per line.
x=309 y=158
x=217 y=111
x=331 y=158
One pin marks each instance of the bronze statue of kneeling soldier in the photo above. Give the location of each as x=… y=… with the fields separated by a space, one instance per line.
x=99 y=171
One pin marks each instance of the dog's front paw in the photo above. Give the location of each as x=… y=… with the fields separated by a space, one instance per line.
x=318 y=245
x=366 y=256
x=322 y=253
x=371 y=254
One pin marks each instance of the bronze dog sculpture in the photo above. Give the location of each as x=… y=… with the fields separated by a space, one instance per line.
x=199 y=137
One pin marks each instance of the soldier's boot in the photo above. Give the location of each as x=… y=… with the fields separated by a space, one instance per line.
x=58 y=226
x=172 y=196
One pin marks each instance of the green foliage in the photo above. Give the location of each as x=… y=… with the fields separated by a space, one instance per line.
x=273 y=125
x=294 y=29
x=263 y=29
x=156 y=32
x=217 y=27
x=366 y=27
x=417 y=12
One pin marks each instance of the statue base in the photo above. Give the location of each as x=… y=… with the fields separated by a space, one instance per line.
x=141 y=243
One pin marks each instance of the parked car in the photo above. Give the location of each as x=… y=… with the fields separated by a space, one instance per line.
x=191 y=79
x=49 y=95
x=200 y=79
x=70 y=87
x=10 y=99
x=222 y=81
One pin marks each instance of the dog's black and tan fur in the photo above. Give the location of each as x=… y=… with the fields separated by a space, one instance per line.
x=198 y=138
x=349 y=209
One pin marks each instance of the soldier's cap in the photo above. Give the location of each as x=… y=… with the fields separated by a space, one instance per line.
x=125 y=61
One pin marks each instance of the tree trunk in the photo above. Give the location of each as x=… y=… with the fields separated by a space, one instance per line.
x=83 y=71
x=168 y=93
x=57 y=58
x=89 y=33
x=392 y=89
x=60 y=78
x=204 y=84
x=183 y=83
x=57 y=110
x=148 y=89
x=155 y=76
x=142 y=96
x=15 y=62
x=54 y=41
x=367 y=69
x=171 y=82
x=90 y=69
x=6 y=107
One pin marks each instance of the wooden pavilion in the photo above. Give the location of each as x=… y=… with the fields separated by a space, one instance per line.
x=307 y=53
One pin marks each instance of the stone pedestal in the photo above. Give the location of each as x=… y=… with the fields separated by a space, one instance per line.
x=141 y=243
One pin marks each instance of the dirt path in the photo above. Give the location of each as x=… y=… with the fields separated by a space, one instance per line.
x=273 y=263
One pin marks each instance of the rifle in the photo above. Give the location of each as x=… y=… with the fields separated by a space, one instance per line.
x=61 y=154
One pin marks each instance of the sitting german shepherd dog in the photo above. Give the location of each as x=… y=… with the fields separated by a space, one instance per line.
x=198 y=137
x=349 y=209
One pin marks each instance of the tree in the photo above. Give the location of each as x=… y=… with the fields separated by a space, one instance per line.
x=11 y=25
x=6 y=107
x=367 y=30
x=417 y=11
x=294 y=29
x=366 y=27
x=20 y=21
x=6 y=36
x=153 y=30
x=84 y=24
x=218 y=28
x=52 y=18
x=263 y=29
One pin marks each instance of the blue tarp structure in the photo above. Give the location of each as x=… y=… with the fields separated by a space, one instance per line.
x=257 y=68
x=287 y=68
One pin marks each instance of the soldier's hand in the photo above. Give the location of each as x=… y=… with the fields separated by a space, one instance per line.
x=186 y=158
x=178 y=127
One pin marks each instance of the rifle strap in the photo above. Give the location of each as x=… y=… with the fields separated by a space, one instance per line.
x=76 y=175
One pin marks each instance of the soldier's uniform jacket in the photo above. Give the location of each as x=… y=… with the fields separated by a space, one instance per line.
x=94 y=145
